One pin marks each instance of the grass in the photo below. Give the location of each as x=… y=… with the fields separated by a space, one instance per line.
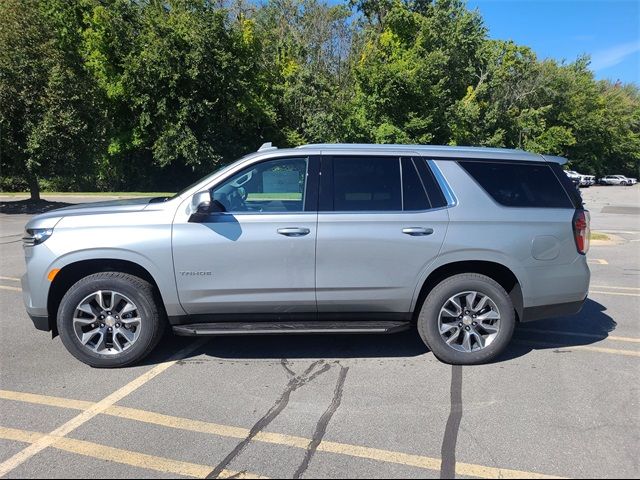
x=92 y=194
x=599 y=236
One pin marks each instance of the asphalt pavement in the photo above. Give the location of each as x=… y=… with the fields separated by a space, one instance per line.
x=563 y=401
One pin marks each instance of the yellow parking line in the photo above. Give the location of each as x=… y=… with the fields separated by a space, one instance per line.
x=615 y=287
x=598 y=261
x=380 y=455
x=11 y=279
x=92 y=411
x=117 y=455
x=14 y=289
x=580 y=334
x=615 y=293
x=589 y=348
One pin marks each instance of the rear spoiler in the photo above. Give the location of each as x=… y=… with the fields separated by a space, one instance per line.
x=558 y=160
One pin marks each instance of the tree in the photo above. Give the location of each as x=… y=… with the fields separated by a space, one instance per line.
x=305 y=60
x=417 y=60
x=148 y=94
x=49 y=112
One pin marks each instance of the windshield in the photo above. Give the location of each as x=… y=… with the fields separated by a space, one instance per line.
x=215 y=172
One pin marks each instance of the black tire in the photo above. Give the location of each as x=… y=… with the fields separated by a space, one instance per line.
x=429 y=313
x=141 y=293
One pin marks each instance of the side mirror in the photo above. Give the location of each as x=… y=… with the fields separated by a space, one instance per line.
x=201 y=202
x=202 y=205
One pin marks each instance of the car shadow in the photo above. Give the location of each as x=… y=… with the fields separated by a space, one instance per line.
x=29 y=207
x=254 y=347
x=589 y=326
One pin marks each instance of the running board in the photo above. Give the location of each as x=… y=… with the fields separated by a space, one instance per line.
x=278 y=328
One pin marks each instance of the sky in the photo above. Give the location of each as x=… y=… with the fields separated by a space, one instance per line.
x=607 y=30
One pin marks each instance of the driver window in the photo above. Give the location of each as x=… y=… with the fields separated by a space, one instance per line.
x=272 y=186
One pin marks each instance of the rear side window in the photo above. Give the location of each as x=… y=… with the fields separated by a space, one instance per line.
x=366 y=184
x=571 y=188
x=436 y=196
x=414 y=194
x=520 y=185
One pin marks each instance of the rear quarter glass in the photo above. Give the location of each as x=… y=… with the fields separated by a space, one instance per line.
x=529 y=185
x=436 y=196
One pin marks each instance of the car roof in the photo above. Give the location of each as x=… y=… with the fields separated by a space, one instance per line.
x=437 y=151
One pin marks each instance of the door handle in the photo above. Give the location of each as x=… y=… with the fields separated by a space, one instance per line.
x=417 y=231
x=294 y=231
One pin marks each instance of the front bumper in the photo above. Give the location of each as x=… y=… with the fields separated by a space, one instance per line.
x=41 y=323
x=35 y=306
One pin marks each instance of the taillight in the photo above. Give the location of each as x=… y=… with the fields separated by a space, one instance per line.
x=581 y=230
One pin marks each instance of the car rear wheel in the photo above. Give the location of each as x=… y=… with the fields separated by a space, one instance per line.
x=467 y=319
x=110 y=319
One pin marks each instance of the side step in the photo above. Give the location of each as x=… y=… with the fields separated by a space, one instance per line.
x=278 y=328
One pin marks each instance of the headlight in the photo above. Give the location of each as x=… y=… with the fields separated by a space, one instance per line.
x=35 y=236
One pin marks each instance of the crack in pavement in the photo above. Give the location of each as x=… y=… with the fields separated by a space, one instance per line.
x=295 y=383
x=448 y=450
x=285 y=364
x=323 y=423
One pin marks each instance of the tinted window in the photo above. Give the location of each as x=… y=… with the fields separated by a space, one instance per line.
x=413 y=193
x=570 y=187
x=366 y=184
x=273 y=186
x=519 y=185
x=436 y=196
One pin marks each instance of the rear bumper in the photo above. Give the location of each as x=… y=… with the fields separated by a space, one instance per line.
x=547 y=311
x=554 y=287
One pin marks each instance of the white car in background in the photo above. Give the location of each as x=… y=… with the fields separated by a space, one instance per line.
x=616 y=180
x=574 y=176
x=587 y=180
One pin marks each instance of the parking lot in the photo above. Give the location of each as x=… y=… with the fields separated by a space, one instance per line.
x=564 y=401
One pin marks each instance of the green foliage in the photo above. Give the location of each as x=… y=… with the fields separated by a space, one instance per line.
x=414 y=64
x=50 y=113
x=149 y=94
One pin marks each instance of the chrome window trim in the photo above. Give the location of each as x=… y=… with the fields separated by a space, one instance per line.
x=449 y=196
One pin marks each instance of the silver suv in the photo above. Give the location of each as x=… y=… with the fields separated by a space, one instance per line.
x=459 y=242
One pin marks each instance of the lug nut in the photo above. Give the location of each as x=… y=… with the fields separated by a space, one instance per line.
x=108 y=313
x=467 y=328
x=474 y=324
x=109 y=329
x=101 y=317
x=460 y=324
x=117 y=325
x=102 y=325
x=117 y=316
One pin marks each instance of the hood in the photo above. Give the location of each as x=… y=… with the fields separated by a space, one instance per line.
x=50 y=218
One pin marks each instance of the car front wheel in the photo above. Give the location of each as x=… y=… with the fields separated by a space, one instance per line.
x=110 y=319
x=467 y=319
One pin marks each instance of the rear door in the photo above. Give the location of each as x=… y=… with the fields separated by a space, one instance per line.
x=381 y=223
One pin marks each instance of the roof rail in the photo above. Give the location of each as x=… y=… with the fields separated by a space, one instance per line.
x=267 y=146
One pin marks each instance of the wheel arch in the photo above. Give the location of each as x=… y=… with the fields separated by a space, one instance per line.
x=72 y=272
x=497 y=271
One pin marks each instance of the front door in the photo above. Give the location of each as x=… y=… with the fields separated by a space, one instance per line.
x=258 y=256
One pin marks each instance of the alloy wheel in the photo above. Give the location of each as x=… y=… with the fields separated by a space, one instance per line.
x=107 y=322
x=469 y=321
